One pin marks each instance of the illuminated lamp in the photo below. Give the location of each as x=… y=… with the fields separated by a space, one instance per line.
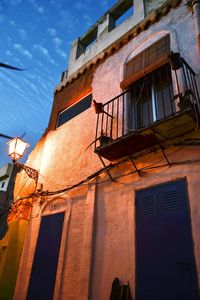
x=16 y=149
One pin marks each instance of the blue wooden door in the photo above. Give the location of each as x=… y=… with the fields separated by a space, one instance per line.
x=165 y=266
x=43 y=275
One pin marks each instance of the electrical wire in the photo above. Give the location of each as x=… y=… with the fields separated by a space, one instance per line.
x=99 y=172
x=103 y=170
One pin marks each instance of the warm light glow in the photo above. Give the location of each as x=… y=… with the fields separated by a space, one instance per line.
x=16 y=148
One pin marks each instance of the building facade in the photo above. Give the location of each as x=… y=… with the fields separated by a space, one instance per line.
x=117 y=204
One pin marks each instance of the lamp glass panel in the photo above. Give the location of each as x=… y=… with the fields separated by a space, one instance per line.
x=16 y=148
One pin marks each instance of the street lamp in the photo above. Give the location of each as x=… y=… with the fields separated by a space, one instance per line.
x=16 y=149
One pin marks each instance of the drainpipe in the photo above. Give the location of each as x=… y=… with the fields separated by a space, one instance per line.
x=196 y=9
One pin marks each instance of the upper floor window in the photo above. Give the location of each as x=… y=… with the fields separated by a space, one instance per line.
x=122 y=11
x=2 y=184
x=151 y=98
x=74 y=110
x=147 y=61
x=148 y=76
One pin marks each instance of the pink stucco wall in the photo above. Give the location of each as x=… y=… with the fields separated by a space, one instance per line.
x=99 y=242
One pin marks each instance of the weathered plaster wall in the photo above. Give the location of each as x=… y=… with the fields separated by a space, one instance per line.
x=151 y=5
x=109 y=250
x=70 y=141
x=104 y=40
x=115 y=231
x=63 y=161
x=178 y=23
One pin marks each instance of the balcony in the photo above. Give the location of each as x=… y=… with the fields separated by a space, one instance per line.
x=163 y=106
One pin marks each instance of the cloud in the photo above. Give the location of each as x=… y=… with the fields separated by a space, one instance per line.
x=104 y=3
x=79 y=5
x=8 y=52
x=22 y=50
x=31 y=85
x=52 y=31
x=12 y=82
x=15 y=2
x=22 y=33
x=56 y=3
x=11 y=22
x=67 y=20
x=57 y=41
x=88 y=20
x=61 y=53
x=38 y=8
x=42 y=50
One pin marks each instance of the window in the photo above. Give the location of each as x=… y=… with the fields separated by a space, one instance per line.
x=124 y=17
x=151 y=98
x=74 y=110
x=3 y=183
x=86 y=41
x=148 y=77
x=147 y=61
x=122 y=11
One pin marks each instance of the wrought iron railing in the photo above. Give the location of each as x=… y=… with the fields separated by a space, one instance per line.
x=157 y=96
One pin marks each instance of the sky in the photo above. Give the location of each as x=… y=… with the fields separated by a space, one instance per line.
x=36 y=35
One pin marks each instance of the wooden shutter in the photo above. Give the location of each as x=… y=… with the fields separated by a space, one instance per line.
x=147 y=61
x=44 y=268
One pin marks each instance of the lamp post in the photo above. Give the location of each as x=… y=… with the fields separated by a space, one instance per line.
x=16 y=149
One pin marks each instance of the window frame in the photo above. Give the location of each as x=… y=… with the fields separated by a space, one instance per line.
x=89 y=95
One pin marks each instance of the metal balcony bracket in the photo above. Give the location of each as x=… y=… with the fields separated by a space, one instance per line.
x=157 y=134
x=165 y=156
x=161 y=147
x=106 y=168
x=140 y=173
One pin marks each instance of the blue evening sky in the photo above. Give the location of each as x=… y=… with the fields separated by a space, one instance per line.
x=36 y=35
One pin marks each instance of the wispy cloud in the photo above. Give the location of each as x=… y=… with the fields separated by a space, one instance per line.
x=67 y=20
x=13 y=83
x=22 y=50
x=87 y=20
x=42 y=50
x=15 y=2
x=58 y=44
x=104 y=3
x=31 y=85
x=8 y=52
x=52 y=31
x=22 y=33
x=61 y=53
x=11 y=22
x=57 y=41
x=79 y=5
x=40 y=9
x=56 y=3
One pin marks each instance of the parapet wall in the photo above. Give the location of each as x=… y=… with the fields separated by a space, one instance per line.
x=104 y=32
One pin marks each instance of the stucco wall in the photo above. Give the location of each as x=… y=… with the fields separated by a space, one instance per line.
x=64 y=150
x=63 y=161
x=112 y=245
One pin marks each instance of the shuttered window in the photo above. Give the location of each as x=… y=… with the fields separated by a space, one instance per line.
x=147 y=61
